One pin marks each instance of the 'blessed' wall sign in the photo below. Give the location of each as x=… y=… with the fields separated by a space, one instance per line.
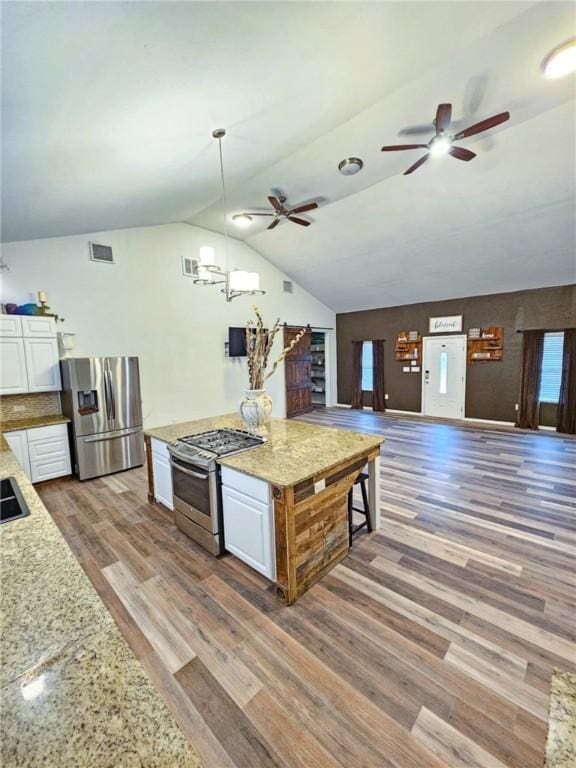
x=450 y=324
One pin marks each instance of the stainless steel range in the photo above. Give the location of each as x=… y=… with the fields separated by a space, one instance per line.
x=196 y=482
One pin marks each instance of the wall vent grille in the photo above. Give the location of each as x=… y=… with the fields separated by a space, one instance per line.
x=101 y=253
x=288 y=286
x=189 y=266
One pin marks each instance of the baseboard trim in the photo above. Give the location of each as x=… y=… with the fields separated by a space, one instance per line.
x=466 y=418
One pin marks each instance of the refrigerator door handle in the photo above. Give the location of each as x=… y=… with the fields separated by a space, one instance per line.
x=108 y=394
x=111 y=435
x=111 y=390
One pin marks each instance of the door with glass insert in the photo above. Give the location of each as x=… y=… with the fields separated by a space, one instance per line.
x=444 y=376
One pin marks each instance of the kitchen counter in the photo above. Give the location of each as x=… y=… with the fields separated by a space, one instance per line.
x=310 y=471
x=295 y=451
x=71 y=690
x=561 y=744
x=36 y=421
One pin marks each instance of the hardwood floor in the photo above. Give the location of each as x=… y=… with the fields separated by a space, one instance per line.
x=432 y=645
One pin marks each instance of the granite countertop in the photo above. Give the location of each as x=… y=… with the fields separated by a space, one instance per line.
x=561 y=744
x=295 y=451
x=37 y=421
x=71 y=690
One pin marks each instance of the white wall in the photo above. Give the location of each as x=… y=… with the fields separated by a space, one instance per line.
x=143 y=305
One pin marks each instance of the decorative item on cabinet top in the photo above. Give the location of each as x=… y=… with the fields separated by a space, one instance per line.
x=485 y=344
x=408 y=346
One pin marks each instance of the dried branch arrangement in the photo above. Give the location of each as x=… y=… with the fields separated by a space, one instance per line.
x=259 y=343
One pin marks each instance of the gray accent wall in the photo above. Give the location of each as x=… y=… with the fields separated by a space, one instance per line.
x=491 y=387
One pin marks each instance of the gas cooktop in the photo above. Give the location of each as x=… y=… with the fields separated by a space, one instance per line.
x=208 y=446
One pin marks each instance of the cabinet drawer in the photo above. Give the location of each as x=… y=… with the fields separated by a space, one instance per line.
x=10 y=325
x=251 y=486
x=49 y=448
x=160 y=448
x=43 y=433
x=34 y=326
x=46 y=470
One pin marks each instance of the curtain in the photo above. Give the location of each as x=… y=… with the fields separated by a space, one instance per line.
x=528 y=400
x=357 y=374
x=567 y=400
x=378 y=402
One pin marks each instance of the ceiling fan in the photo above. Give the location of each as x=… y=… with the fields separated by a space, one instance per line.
x=282 y=212
x=441 y=143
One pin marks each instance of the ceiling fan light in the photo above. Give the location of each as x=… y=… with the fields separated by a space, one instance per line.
x=561 y=61
x=439 y=146
x=242 y=220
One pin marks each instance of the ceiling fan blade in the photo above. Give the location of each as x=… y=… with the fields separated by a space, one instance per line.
x=296 y=220
x=483 y=125
x=416 y=165
x=275 y=203
x=461 y=153
x=399 y=147
x=274 y=224
x=304 y=208
x=443 y=117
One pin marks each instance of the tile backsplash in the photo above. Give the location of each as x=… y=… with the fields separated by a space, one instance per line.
x=15 y=407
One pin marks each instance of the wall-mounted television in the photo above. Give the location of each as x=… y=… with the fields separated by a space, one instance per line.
x=237 y=342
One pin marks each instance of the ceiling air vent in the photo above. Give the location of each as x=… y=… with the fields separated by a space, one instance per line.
x=101 y=253
x=288 y=286
x=189 y=266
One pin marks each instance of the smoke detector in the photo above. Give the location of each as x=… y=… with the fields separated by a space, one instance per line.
x=350 y=166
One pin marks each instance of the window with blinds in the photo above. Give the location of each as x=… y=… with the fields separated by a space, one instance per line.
x=551 y=373
x=367 y=379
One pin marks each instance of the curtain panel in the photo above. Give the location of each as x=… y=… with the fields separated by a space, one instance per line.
x=567 y=400
x=529 y=397
x=378 y=400
x=357 y=374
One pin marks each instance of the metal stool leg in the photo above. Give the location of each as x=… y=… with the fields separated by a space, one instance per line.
x=366 y=505
x=350 y=518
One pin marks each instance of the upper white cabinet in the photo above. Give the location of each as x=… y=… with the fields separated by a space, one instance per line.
x=13 y=376
x=10 y=325
x=42 y=365
x=28 y=355
x=38 y=326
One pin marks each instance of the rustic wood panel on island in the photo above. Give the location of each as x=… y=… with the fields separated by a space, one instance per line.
x=312 y=527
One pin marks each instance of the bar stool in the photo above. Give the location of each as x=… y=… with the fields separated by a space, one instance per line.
x=352 y=529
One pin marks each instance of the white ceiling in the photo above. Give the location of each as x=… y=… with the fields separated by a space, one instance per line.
x=107 y=112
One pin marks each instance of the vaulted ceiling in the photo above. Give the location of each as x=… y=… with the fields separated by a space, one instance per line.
x=108 y=108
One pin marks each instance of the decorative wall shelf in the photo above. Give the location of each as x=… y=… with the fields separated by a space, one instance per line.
x=408 y=347
x=489 y=345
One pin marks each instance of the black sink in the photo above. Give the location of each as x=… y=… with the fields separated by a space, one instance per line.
x=12 y=505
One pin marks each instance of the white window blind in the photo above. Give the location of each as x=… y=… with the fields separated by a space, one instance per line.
x=551 y=373
x=367 y=380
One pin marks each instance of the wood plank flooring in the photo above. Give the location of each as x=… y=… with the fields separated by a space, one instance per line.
x=431 y=646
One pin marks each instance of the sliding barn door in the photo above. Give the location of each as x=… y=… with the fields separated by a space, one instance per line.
x=298 y=367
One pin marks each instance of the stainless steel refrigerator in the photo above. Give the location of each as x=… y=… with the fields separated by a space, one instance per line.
x=101 y=396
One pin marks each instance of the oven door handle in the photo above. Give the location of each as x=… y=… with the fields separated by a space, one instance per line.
x=180 y=468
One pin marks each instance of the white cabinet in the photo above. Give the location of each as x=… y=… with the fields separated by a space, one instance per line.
x=18 y=442
x=34 y=326
x=162 y=473
x=13 y=376
x=10 y=325
x=42 y=365
x=29 y=360
x=48 y=452
x=248 y=514
x=43 y=453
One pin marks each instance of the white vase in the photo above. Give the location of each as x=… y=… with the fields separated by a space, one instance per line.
x=255 y=408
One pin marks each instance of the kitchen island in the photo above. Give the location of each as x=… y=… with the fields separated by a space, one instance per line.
x=295 y=489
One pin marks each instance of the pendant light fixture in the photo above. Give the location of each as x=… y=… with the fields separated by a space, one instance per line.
x=237 y=282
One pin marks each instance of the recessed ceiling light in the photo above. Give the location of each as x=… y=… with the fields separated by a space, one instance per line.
x=439 y=146
x=242 y=220
x=350 y=166
x=561 y=62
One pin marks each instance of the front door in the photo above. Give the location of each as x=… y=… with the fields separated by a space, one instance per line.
x=298 y=369
x=444 y=376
